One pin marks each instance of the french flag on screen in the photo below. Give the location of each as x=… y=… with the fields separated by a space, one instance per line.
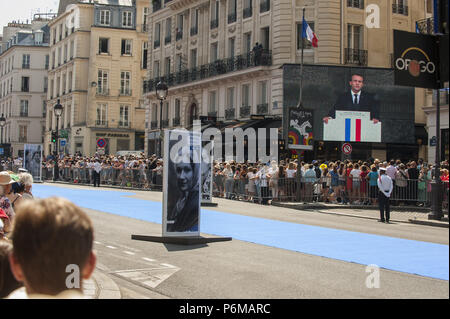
x=353 y=130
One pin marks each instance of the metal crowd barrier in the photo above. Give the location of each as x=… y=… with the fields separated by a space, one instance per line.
x=127 y=177
x=324 y=189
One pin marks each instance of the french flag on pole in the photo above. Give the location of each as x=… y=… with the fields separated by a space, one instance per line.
x=353 y=130
x=309 y=34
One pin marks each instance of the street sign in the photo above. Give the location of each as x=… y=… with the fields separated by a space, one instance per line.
x=101 y=142
x=63 y=143
x=433 y=141
x=347 y=148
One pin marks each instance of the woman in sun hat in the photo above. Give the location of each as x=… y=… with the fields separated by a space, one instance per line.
x=5 y=189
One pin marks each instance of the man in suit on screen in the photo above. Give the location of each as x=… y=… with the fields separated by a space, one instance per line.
x=356 y=100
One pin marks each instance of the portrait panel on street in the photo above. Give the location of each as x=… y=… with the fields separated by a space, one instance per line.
x=182 y=179
x=32 y=161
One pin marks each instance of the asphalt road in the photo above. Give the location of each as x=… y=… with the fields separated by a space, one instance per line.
x=242 y=270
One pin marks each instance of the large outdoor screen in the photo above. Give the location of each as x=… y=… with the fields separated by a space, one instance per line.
x=380 y=111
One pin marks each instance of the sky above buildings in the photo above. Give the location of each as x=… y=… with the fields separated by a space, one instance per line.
x=24 y=9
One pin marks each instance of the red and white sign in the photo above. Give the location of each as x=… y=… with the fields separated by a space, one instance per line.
x=347 y=148
x=101 y=142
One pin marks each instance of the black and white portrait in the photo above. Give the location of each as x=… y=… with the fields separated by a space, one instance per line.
x=32 y=161
x=182 y=173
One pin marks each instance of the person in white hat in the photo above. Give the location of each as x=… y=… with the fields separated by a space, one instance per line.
x=5 y=204
x=385 y=187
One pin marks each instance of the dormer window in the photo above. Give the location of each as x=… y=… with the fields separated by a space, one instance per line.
x=105 y=17
x=127 y=19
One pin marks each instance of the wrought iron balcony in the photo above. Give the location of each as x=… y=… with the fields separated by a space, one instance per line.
x=154 y=125
x=218 y=67
x=232 y=17
x=176 y=121
x=356 y=56
x=248 y=12
x=156 y=43
x=426 y=26
x=244 y=111
x=25 y=66
x=167 y=39
x=102 y=123
x=214 y=23
x=264 y=6
x=262 y=108
x=229 y=113
x=23 y=114
x=355 y=4
x=103 y=92
x=165 y=123
x=124 y=124
x=125 y=92
x=399 y=9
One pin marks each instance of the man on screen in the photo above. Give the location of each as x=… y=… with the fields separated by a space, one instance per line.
x=356 y=100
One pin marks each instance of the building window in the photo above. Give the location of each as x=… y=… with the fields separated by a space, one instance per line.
x=177 y=108
x=194 y=21
x=146 y=14
x=212 y=103
x=179 y=31
x=102 y=82
x=23 y=132
x=105 y=17
x=65 y=53
x=168 y=37
x=248 y=10
x=167 y=66
x=127 y=19
x=231 y=42
x=230 y=98
x=156 y=70
x=47 y=61
x=126 y=46
x=103 y=46
x=45 y=84
x=72 y=48
x=263 y=92
x=125 y=86
x=246 y=95
x=157 y=40
x=247 y=42
x=144 y=54
x=215 y=14
x=193 y=58
x=400 y=7
x=179 y=65
x=23 y=108
x=306 y=43
x=355 y=34
x=166 y=111
x=25 y=61
x=264 y=6
x=25 y=84
x=214 y=52
x=265 y=37
x=59 y=56
x=123 y=116
x=232 y=11
x=101 y=114
x=359 y=4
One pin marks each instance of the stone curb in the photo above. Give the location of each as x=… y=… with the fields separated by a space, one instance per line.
x=429 y=223
x=106 y=287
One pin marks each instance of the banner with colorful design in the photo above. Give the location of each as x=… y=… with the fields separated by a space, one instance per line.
x=300 y=132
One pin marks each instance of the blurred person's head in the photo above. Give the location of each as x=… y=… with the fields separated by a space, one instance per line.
x=48 y=236
x=5 y=183
x=8 y=282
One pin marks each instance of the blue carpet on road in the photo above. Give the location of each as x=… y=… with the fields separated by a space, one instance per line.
x=409 y=256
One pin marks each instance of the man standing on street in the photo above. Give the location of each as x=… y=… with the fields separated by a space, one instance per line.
x=97 y=170
x=385 y=187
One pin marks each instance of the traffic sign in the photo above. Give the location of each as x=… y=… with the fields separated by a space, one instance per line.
x=347 y=148
x=62 y=143
x=101 y=142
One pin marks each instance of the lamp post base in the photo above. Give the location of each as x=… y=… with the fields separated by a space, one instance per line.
x=436 y=201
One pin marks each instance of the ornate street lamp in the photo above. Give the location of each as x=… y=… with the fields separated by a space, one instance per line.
x=58 y=109
x=2 y=124
x=161 y=94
